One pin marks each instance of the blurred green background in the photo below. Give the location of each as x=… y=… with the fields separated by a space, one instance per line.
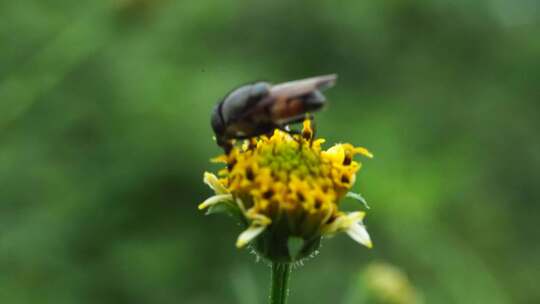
x=104 y=136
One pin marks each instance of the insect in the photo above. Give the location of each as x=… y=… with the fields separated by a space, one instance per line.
x=258 y=108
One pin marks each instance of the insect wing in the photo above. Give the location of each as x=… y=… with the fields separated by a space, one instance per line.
x=303 y=86
x=274 y=107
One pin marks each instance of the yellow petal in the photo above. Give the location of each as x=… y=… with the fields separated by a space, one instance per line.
x=213 y=182
x=213 y=200
x=358 y=232
x=336 y=153
x=363 y=151
x=257 y=218
x=356 y=216
x=248 y=235
x=219 y=159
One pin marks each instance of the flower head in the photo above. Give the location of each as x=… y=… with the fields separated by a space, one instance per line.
x=286 y=186
x=385 y=283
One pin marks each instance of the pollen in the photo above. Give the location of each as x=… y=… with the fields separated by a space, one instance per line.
x=292 y=183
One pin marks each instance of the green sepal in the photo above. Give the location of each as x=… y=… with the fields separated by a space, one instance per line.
x=227 y=207
x=295 y=245
x=358 y=197
x=284 y=249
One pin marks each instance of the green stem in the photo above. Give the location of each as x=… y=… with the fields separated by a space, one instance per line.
x=280 y=283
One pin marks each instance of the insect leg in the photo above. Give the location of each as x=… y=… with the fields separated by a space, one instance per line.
x=227 y=145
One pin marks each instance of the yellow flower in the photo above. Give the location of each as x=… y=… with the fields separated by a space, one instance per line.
x=286 y=186
x=385 y=283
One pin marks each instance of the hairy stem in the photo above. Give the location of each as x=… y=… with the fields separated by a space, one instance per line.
x=280 y=283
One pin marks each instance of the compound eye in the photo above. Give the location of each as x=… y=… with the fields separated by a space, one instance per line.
x=260 y=89
x=217 y=121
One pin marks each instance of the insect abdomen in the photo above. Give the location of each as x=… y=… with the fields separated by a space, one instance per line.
x=286 y=108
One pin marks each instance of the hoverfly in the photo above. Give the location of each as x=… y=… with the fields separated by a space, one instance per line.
x=258 y=108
